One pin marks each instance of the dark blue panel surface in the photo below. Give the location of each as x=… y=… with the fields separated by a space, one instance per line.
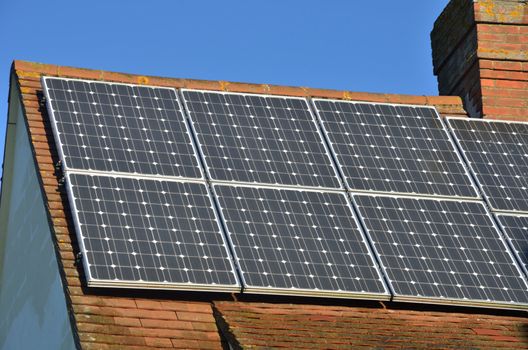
x=393 y=148
x=260 y=139
x=121 y=128
x=442 y=250
x=497 y=153
x=150 y=232
x=299 y=242
x=516 y=229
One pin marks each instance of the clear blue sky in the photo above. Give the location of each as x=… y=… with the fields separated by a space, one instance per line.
x=374 y=46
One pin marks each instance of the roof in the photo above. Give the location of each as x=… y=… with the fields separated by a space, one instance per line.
x=315 y=326
x=129 y=319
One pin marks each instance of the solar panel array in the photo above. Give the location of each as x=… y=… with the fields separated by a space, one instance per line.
x=258 y=194
x=275 y=141
x=148 y=230
x=497 y=153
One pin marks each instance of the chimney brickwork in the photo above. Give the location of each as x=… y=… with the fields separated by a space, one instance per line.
x=480 y=53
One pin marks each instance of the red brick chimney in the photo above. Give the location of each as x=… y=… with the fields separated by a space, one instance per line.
x=480 y=53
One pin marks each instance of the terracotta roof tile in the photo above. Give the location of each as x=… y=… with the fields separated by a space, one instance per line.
x=307 y=326
x=128 y=320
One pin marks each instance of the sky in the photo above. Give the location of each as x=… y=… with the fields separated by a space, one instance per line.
x=366 y=46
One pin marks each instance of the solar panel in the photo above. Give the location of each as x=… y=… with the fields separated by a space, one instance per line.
x=149 y=233
x=292 y=241
x=516 y=230
x=393 y=148
x=497 y=153
x=260 y=139
x=443 y=251
x=120 y=128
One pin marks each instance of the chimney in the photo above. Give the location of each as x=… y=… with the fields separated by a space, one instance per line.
x=480 y=53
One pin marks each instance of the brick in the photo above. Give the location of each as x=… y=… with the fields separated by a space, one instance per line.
x=202 y=84
x=124 y=312
x=247 y=88
x=506 y=338
x=35 y=67
x=148 y=304
x=503 y=75
x=127 y=321
x=160 y=81
x=514 y=93
x=100 y=346
x=505 y=111
x=510 y=84
x=287 y=90
x=196 y=335
x=111 y=339
x=443 y=100
x=187 y=306
x=486 y=331
x=160 y=332
x=196 y=317
x=505 y=102
x=202 y=326
x=150 y=323
x=406 y=99
x=104 y=301
x=195 y=344
x=82 y=73
x=94 y=318
x=158 y=342
x=28 y=74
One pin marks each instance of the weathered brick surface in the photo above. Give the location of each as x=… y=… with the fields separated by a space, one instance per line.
x=480 y=52
x=124 y=322
x=263 y=325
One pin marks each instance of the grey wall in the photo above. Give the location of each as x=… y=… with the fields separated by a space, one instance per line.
x=33 y=312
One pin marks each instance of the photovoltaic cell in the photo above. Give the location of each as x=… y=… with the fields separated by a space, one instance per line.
x=260 y=139
x=149 y=232
x=298 y=242
x=442 y=250
x=120 y=128
x=497 y=153
x=516 y=230
x=393 y=148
